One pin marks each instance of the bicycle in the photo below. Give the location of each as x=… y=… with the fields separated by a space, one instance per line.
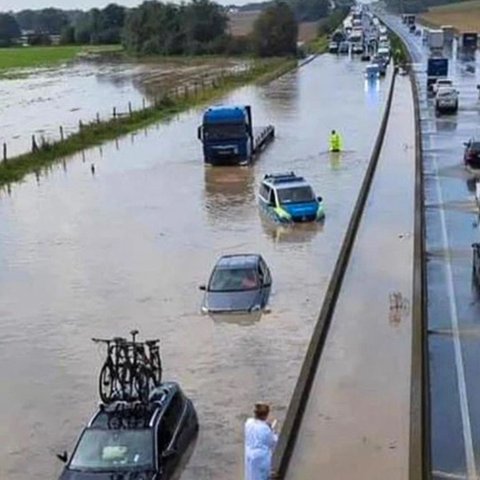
x=113 y=375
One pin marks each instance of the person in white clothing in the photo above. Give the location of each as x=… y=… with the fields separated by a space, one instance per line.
x=260 y=440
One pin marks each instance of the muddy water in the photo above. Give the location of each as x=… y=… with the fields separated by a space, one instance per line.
x=41 y=102
x=86 y=255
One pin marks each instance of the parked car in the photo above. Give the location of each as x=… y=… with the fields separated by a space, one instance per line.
x=144 y=441
x=238 y=283
x=344 y=47
x=446 y=100
x=288 y=198
x=372 y=72
x=441 y=83
x=471 y=157
x=333 y=47
x=381 y=63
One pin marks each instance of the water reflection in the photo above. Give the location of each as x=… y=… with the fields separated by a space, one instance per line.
x=228 y=190
x=240 y=319
x=286 y=233
x=445 y=124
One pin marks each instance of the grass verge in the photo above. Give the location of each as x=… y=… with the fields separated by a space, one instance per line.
x=94 y=133
x=34 y=57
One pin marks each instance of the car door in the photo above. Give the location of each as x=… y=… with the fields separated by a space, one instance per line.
x=266 y=281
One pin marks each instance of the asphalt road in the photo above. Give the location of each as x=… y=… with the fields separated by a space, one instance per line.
x=453 y=309
x=356 y=423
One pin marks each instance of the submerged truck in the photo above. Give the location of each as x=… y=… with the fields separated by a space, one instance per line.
x=228 y=135
x=436 y=68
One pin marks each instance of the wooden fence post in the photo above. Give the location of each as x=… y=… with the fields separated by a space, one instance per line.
x=62 y=136
x=98 y=117
x=143 y=103
x=34 y=144
x=130 y=108
x=80 y=125
x=114 y=113
x=5 y=152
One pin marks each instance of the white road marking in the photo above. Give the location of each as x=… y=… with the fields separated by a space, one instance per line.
x=461 y=383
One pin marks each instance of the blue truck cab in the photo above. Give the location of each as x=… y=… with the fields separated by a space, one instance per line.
x=287 y=198
x=228 y=135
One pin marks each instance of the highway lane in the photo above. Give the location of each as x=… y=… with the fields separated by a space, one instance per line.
x=452 y=222
x=85 y=256
x=356 y=423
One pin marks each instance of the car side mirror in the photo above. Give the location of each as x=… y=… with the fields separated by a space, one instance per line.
x=320 y=199
x=203 y=288
x=200 y=133
x=465 y=144
x=169 y=454
x=63 y=457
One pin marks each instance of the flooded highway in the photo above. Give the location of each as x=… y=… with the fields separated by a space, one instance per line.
x=453 y=308
x=355 y=411
x=85 y=255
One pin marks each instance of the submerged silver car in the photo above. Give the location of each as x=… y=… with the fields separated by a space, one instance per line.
x=238 y=283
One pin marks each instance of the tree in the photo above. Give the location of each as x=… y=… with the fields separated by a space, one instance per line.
x=168 y=29
x=67 y=37
x=9 y=29
x=275 y=31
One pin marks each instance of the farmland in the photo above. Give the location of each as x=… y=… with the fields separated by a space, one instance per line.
x=464 y=16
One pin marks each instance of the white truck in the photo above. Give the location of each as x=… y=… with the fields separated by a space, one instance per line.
x=435 y=39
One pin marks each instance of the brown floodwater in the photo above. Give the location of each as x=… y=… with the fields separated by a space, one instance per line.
x=85 y=255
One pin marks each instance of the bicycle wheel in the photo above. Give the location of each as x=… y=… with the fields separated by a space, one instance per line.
x=144 y=382
x=105 y=383
x=156 y=368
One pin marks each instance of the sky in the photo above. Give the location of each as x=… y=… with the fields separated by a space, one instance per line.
x=16 y=5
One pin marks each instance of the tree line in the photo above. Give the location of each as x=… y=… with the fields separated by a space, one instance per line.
x=159 y=28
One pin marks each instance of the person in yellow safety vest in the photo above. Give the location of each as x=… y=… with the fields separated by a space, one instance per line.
x=335 y=142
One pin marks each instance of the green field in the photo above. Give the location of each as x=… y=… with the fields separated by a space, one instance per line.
x=31 y=57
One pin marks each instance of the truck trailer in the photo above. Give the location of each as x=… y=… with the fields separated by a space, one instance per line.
x=435 y=39
x=229 y=137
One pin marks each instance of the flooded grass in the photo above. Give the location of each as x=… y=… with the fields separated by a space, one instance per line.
x=34 y=57
x=464 y=16
x=95 y=133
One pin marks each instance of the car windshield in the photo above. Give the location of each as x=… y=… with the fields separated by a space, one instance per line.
x=445 y=92
x=233 y=280
x=111 y=450
x=224 y=131
x=295 y=195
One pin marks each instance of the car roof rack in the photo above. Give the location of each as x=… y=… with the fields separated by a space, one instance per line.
x=276 y=178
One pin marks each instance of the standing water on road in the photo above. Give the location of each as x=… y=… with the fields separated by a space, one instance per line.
x=87 y=255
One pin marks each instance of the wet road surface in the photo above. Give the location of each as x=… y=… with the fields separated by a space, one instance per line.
x=87 y=255
x=453 y=308
x=356 y=424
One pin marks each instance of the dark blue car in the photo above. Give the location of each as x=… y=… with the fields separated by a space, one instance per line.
x=127 y=441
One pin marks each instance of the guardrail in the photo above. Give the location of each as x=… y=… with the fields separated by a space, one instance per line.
x=296 y=408
x=420 y=459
